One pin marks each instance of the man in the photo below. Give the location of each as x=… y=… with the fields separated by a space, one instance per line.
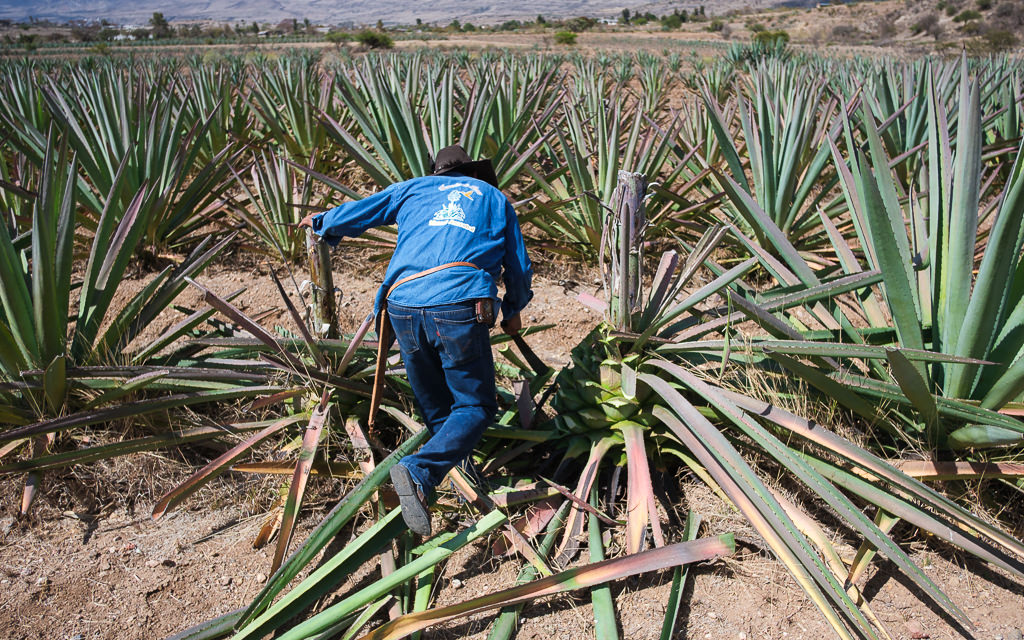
x=457 y=234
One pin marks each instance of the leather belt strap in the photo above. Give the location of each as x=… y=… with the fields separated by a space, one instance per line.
x=385 y=337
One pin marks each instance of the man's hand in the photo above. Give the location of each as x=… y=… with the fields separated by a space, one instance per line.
x=307 y=221
x=512 y=326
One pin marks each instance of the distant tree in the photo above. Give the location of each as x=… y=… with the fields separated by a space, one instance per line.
x=468 y=27
x=307 y=25
x=161 y=28
x=625 y=17
x=419 y=22
x=337 y=38
x=455 y=25
x=671 y=21
x=581 y=23
x=567 y=38
x=541 y=20
x=380 y=25
x=374 y=39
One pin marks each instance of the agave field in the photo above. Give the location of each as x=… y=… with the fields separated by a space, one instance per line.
x=849 y=230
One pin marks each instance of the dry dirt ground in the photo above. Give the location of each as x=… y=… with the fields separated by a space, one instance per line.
x=90 y=563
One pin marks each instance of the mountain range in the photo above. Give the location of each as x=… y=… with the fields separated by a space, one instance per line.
x=330 y=11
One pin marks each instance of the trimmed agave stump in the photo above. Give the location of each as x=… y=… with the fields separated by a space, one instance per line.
x=623 y=240
x=324 y=306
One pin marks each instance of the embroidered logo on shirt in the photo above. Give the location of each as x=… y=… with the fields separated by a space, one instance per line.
x=452 y=213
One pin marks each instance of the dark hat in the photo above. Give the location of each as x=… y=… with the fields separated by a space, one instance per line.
x=455 y=158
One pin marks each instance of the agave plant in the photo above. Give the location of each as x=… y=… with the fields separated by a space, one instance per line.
x=787 y=125
x=952 y=403
x=289 y=101
x=406 y=111
x=132 y=134
x=64 y=370
x=631 y=386
x=275 y=198
x=591 y=145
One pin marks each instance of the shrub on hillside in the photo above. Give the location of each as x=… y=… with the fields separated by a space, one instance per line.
x=928 y=24
x=770 y=38
x=967 y=15
x=846 y=33
x=999 y=39
x=1010 y=14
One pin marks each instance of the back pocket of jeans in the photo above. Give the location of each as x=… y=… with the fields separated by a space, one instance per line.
x=402 y=326
x=461 y=339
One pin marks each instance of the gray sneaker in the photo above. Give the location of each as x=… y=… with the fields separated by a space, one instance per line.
x=414 y=506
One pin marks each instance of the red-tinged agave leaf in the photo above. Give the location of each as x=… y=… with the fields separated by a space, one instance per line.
x=131 y=410
x=270 y=526
x=639 y=490
x=529 y=525
x=11 y=446
x=360 y=442
x=528 y=493
x=817 y=481
x=387 y=567
x=297 y=319
x=284 y=468
x=216 y=467
x=524 y=403
x=261 y=334
x=28 y=494
x=484 y=504
x=574 y=524
x=582 y=504
x=361 y=445
x=577 y=578
x=958 y=470
x=592 y=302
x=357 y=339
x=274 y=398
x=310 y=440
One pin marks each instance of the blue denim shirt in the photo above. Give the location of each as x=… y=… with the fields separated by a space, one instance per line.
x=441 y=219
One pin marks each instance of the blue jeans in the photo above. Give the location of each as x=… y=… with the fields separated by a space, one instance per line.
x=448 y=361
